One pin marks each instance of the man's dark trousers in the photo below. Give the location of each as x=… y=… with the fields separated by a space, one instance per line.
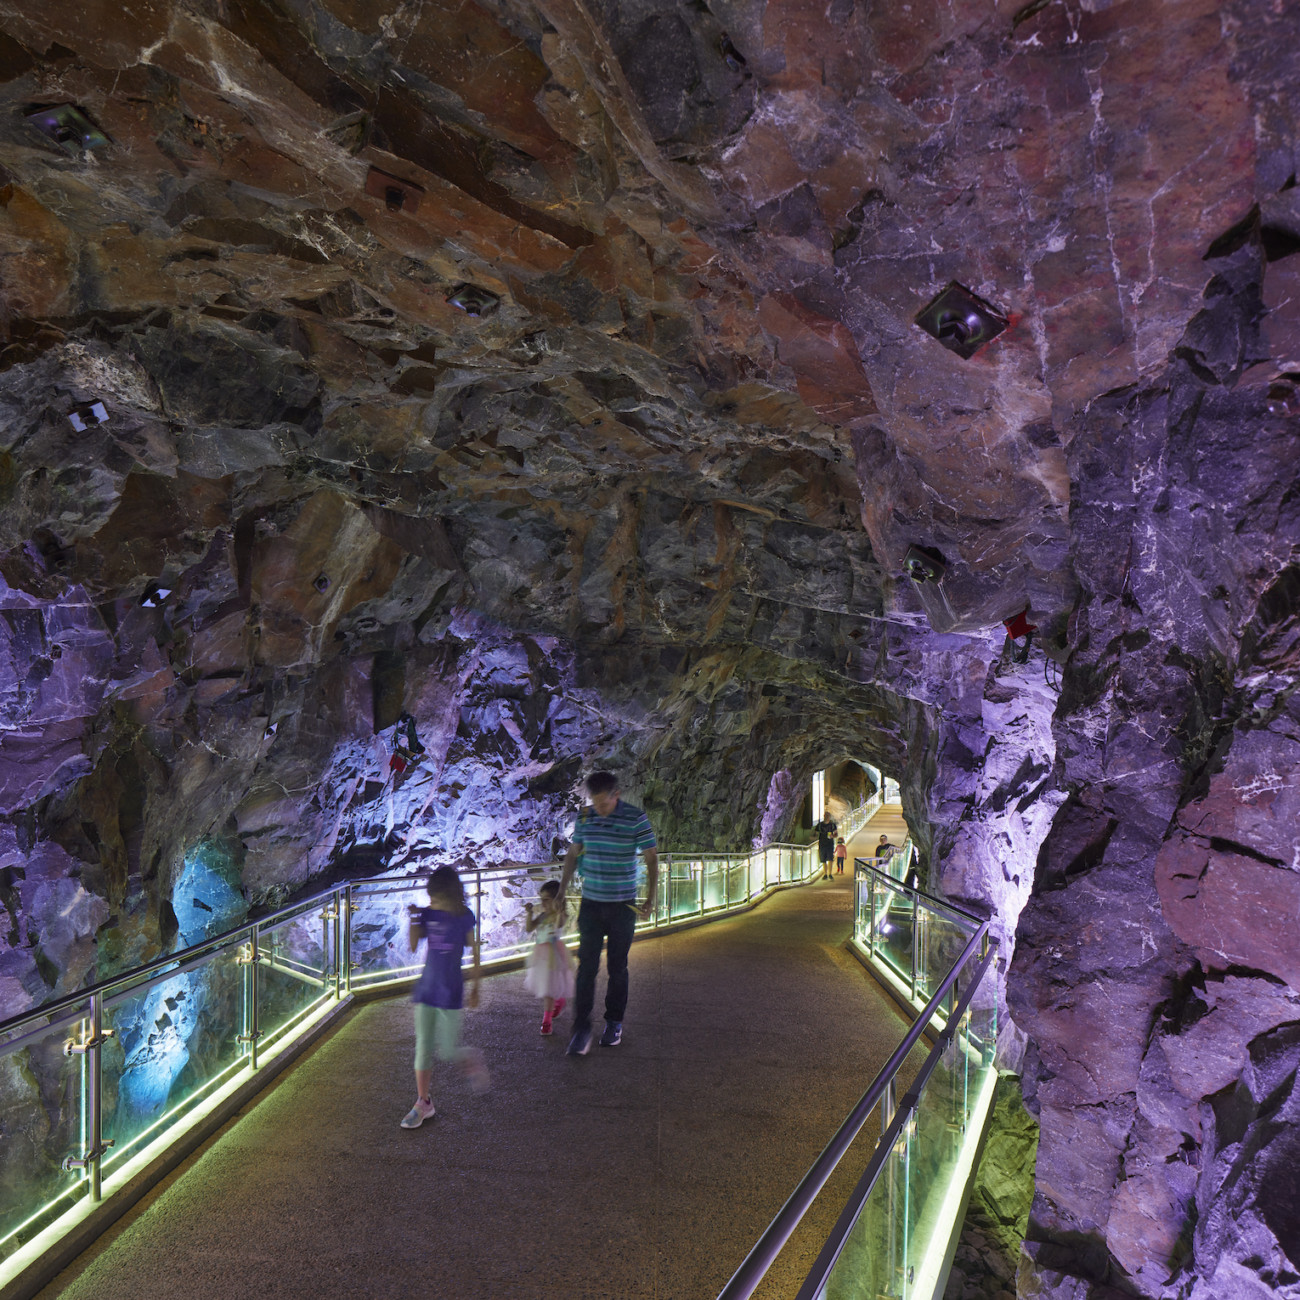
x=610 y=925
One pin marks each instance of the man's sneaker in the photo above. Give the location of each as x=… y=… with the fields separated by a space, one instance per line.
x=418 y=1113
x=580 y=1043
x=612 y=1035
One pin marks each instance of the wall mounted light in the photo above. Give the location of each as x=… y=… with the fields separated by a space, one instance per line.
x=87 y=414
x=321 y=582
x=398 y=195
x=962 y=322
x=154 y=596
x=473 y=301
x=68 y=126
x=923 y=566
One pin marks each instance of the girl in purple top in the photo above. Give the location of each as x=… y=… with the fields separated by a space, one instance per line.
x=446 y=925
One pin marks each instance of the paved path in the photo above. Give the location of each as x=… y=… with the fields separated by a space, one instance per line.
x=642 y=1172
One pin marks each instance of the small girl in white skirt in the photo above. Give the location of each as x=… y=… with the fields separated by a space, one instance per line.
x=549 y=969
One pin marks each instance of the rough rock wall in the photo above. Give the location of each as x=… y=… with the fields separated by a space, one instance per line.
x=650 y=505
x=1155 y=970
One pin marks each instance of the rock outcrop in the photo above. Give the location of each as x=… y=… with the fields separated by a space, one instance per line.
x=549 y=372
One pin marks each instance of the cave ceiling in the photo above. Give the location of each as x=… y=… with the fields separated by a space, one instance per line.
x=550 y=371
x=344 y=337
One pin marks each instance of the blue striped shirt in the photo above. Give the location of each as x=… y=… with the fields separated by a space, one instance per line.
x=607 y=851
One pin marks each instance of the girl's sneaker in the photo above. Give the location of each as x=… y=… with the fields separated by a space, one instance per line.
x=418 y=1113
x=546 y=1024
x=476 y=1071
x=559 y=1006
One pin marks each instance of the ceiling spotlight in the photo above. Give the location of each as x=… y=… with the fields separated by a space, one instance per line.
x=960 y=321
x=68 y=126
x=87 y=414
x=923 y=566
x=472 y=300
x=397 y=194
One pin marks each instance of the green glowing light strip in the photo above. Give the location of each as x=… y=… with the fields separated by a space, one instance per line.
x=932 y=1253
x=49 y=1237
x=75 y=1192
x=115 y=1154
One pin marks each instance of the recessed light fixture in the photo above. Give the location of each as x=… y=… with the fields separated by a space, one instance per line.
x=473 y=301
x=962 y=322
x=87 y=414
x=398 y=195
x=321 y=582
x=68 y=126
x=923 y=566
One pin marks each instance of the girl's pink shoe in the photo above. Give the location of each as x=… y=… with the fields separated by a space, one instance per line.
x=559 y=1006
x=546 y=1024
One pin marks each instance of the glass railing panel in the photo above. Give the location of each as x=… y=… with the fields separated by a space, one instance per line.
x=42 y=1089
x=381 y=949
x=295 y=970
x=663 y=909
x=684 y=898
x=940 y=943
x=737 y=881
x=714 y=883
x=894 y=924
x=871 y=1265
x=173 y=1042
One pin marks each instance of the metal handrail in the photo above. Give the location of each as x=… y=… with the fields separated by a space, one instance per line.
x=171 y=963
x=756 y=1264
x=936 y=904
x=169 y=960
x=835 y=1243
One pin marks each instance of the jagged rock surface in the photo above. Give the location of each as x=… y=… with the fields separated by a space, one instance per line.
x=650 y=508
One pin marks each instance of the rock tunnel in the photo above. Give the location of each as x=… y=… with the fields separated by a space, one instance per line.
x=703 y=391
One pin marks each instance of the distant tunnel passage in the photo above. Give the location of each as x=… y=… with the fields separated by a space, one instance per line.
x=644 y=1170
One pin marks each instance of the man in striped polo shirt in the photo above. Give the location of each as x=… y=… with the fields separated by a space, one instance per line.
x=603 y=852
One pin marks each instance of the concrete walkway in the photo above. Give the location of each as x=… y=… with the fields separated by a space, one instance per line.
x=642 y=1171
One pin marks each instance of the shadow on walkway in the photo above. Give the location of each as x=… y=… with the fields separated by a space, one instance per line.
x=645 y=1170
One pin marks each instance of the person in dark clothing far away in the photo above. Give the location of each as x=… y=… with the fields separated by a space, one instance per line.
x=826 y=829
x=605 y=842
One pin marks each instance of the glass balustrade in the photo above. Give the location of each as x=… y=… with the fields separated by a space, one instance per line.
x=179 y=1033
x=176 y=1036
x=295 y=970
x=896 y=1245
x=890 y=1240
x=44 y=1086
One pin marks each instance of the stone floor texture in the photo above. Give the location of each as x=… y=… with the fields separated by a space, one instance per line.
x=642 y=1172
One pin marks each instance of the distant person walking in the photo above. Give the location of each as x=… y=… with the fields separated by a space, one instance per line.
x=826 y=829
x=549 y=968
x=841 y=852
x=605 y=842
x=445 y=926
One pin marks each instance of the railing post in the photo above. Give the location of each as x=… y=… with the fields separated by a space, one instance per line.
x=916 y=933
x=478 y=906
x=250 y=963
x=338 y=945
x=871 y=917
x=92 y=1107
x=703 y=869
x=348 y=908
